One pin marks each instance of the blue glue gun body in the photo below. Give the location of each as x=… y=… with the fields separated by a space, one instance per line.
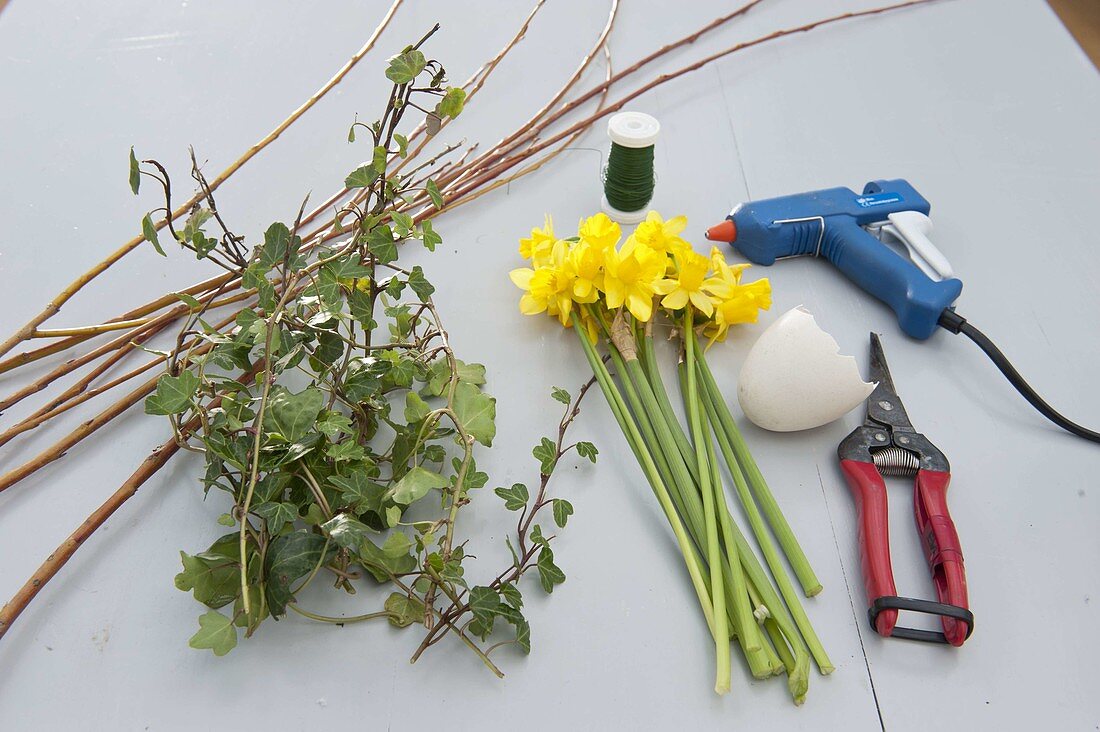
x=830 y=223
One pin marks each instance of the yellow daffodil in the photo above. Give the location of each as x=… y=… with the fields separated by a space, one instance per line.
x=742 y=306
x=660 y=235
x=586 y=261
x=692 y=284
x=730 y=274
x=549 y=288
x=539 y=246
x=629 y=276
x=600 y=232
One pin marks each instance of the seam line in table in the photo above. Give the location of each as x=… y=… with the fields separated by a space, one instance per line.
x=851 y=603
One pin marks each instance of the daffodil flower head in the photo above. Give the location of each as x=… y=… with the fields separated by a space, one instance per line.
x=629 y=277
x=586 y=260
x=692 y=284
x=731 y=274
x=660 y=235
x=538 y=247
x=600 y=232
x=742 y=306
x=548 y=288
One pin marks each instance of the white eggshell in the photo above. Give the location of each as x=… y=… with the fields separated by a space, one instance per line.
x=795 y=378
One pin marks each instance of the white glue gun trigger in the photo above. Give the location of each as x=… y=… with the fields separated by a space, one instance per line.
x=912 y=228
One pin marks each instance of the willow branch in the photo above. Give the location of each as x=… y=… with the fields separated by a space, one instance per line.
x=514 y=160
x=79 y=283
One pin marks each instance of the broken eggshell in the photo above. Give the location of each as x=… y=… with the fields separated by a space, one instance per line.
x=795 y=377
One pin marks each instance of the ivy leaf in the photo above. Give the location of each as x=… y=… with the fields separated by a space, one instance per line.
x=346 y=450
x=362 y=177
x=188 y=300
x=419 y=284
x=330 y=347
x=476 y=412
x=149 y=231
x=402 y=223
x=549 y=573
x=403 y=370
x=380 y=243
x=416 y=408
x=289 y=558
x=359 y=493
x=216 y=632
x=432 y=124
x=215 y=580
x=173 y=394
x=454 y=99
x=135 y=172
x=484 y=603
x=415 y=484
x=327 y=288
x=405 y=66
x=396 y=545
x=277 y=514
x=440 y=374
x=587 y=450
x=402 y=144
x=428 y=236
x=515 y=497
x=511 y=595
x=546 y=452
x=404 y=610
x=561 y=395
x=434 y=194
x=332 y=424
x=276 y=245
x=537 y=537
x=194 y=224
x=523 y=636
x=292 y=415
x=346 y=531
x=563 y=509
x=383 y=567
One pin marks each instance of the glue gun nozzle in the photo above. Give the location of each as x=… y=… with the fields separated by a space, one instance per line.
x=725 y=231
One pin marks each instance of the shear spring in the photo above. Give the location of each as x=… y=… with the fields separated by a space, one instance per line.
x=896 y=461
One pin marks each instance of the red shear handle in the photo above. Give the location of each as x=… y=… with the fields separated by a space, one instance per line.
x=941 y=547
x=869 y=492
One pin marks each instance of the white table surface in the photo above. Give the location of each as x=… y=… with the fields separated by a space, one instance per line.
x=986 y=106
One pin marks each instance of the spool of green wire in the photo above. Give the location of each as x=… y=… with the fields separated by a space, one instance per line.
x=628 y=179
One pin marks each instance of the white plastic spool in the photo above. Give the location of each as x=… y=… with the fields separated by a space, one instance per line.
x=631 y=129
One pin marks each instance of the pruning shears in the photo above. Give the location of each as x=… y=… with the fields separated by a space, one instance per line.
x=886 y=444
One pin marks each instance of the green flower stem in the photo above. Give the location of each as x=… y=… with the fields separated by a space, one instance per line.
x=776 y=520
x=775 y=664
x=741 y=554
x=749 y=635
x=630 y=430
x=771 y=555
x=677 y=477
x=664 y=404
x=779 y=644
x=756 y=600
x=714 y=550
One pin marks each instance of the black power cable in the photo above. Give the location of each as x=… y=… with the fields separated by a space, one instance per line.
x=955 y=323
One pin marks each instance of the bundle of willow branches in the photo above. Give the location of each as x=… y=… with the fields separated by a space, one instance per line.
x=433 y=184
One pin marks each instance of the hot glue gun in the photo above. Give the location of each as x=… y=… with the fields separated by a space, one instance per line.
x=853 y=232
x=850 y=230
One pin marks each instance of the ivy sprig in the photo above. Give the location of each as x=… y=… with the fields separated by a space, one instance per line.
x=335 y=404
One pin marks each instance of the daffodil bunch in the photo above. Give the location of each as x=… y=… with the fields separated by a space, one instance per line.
x=609 y=293
x=654 y=266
